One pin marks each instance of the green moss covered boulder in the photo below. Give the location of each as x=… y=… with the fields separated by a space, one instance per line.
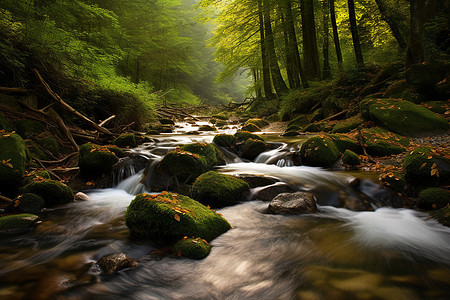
x=208 y=151
x=393 y=180
x=407 y=118
x=350 y=158
x=250 y=127
x=14 y=224
x=380 y=142
x=426 y=167
x=126 y=140
x=27 y=127
x=207 y=128
x=318 y=127
x=219 y=190
x=224 y=140
x=344 y=142
x=183 y=165
x=4 y=124
x=442 y=215
x=242 y=136
x=53 y=192
x=433 y=198
x=195 y=248
x=95 y=160
x=27 y=203
x=347 y=125
x=319 y=151
x=252 y=148
x=258 y=122
x=168 y=217
x=13 y=158
x=439 y=107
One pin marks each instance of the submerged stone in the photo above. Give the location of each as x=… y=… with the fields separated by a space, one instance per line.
x=115 y=262
x=293 y=203
x=195 y=248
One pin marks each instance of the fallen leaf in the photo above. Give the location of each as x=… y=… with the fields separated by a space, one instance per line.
x=423 y=165
x=177 y=217
x=435 y=172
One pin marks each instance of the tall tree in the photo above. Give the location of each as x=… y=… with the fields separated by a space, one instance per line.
x=355 y=35
x=337 y=44
x=310 y=51
x=326 y=58
x=267 y=83
x=394 y=25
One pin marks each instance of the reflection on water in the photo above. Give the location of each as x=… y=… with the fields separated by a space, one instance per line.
x=333 y=254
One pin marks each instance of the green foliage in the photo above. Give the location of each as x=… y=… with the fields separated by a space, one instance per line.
x=219 y=190
x=168 y=217
x=53 y=192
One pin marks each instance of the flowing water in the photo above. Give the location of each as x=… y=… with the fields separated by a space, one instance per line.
x=333 y=254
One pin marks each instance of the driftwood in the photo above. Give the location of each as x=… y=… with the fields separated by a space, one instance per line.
x=68 y=107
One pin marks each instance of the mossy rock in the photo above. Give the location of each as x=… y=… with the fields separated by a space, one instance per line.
x=407 y=118
x=273 y=118
x=364 y=106
x=393 y=180
x=195 y=248
x=207 y=128
x=166 y=121
x=396 y=89
x=250 y=127
x=13 y=158
x=258 y=122
x=439 y=107
x=221 y=116
x=221 y=123
x=47 y=141
x=332 y=105
x=27 y=128
x=14 y=224
x=318 y=127
x=347 y=125
x=293 y=128
x=350 y=158
x=319 y=151
x=53 y=192
x=36 y=176
x=219 y=190
x=344 y=142
x=168 y=217
x=426 y=167
x=433 y=198
x=208 y=151
x=317 y=115
x=4 y=124
x=224 y=140
x=126 y=140
x=290 y=133
x=252 y=148
x=380 y=142
x=183 y=165
x=95 y=160
x=27 y=203
x=300 y=120
x=152 y=132
x=242 y=136
x=442 y=215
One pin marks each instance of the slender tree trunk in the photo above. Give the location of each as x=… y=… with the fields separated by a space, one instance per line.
x=355 y=35
x=290 y=63
x=393 y=25
x=267 y=84
x=310 y=51
x=293 y=45
x=278 y=82
x=326 y=59
x=258 y=91
x=337 y=44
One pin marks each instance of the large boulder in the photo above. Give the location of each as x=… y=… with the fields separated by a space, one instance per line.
x=208 y=151
x=433 y=198
x=319 y=151
x=250 y=127
x=407 y=118
x=167 y=217
x=252 y=148
x=126 y=140
x=380 y=142
x=347 y=125
x=13 y=158
x=27 y=203
x=426 y=167
x=258 y=122
x=95 y=160
x=195 y=248
x=344 y=142
x=242 y=136
x=350 y=158
x=219 y=190
x=293 y=203
x=53 y=192
x=14 y=224
x=224 y=140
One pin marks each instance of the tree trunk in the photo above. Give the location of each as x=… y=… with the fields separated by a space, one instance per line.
x=326 y=59
x=393 y=25
x=355 y=35
x=337 y=44
x=293 y=79
x=310 y=51
x=267 y=84
x=258 y=91
x=278 y=82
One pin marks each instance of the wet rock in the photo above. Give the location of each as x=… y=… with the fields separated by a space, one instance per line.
x=250 y=127
x=252 y=148
x=270 y=192
x=14 y=157
x=206 y=128
x=53 y=192
x=115 y=262
x=80 y=196
x=319 y=151
x=127 y=140
x=208 y=151
x=257 y=181
x=168 y=217
x=27 y=203
x=293 y=203
x=219 y=190
x=95 y=160
x=224 y=140
x=195 y=248
x=16 y=224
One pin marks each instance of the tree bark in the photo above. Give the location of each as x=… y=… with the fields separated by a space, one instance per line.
x=355 y=35
x=337 y=44
x=392 y=23
x=326 y=58
x=293 y=79
x=267 y=84
x=278 y=82
x=310 y=51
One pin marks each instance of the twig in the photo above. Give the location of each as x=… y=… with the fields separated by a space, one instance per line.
x=42 y=166
x=59 y=161
x=106 y=121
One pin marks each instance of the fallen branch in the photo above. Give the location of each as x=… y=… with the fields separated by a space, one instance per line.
x=18 y=90
x=335 y=115
x=59 y=161
x=5 y=199
x=64 y=170
x=42 y=166
x=68 y=107
x=106 y=121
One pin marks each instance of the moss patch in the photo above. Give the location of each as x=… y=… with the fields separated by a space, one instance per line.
x=300 y=120
x=347 y=125
x=439 y=107
x=250 y=127
x=17 y=223
x=95 y=160
x=442 y=215
x=126 y=140
x=350 y=158
x=13 y=158
x=183 y=165
x=319 y=126
x=433 y=198
x=319 y=151
x=206 y=128
x=208 y=151
x=47 y=141
x=343 y=143
x=168 y=217
x=258 y=122
x=195 y=248
x=53 y=192
x=380 y=142
x=219 y=190
x=4 y=124
x=224 y=140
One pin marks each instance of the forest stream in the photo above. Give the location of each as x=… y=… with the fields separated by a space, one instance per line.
x=332 y=254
